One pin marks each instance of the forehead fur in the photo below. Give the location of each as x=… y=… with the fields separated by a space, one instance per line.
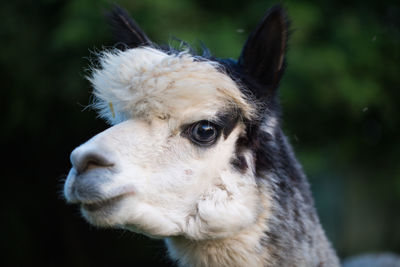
x=147 y=83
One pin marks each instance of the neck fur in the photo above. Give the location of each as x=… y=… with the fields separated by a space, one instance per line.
x=241 y=249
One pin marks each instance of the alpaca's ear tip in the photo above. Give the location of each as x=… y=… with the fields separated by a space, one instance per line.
x=125 y=30
x=263 y=55
x=278 y=9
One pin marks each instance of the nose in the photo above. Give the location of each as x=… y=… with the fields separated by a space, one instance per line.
x=84 y=159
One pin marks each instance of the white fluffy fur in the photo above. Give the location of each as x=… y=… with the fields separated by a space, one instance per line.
x=239 y=249
x=145 y=82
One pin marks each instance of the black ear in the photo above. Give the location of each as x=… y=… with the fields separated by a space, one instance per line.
x=125 y=29
x=263 y=55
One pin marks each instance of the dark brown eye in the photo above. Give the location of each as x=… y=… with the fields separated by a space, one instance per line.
x=203 y=133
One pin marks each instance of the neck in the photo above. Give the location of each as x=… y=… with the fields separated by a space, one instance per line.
x=241 y=249
x=269 y=242
x=281 y=236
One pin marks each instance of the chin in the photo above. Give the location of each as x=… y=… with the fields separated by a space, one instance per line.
x=126 y=213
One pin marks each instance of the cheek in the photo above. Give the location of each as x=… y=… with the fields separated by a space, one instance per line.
x=177 y=183
x=177 y=172
x=187 y=170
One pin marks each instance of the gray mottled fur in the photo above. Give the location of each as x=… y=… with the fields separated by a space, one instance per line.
x=295 y=236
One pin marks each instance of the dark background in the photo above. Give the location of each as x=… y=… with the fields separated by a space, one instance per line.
x=340 y=98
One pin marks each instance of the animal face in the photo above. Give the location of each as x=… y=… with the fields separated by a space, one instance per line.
x=165 y=167
x=180 y=158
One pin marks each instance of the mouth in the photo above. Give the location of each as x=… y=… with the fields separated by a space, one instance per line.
x=105 y=204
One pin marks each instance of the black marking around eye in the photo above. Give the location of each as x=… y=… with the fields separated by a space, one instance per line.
x=228 y=120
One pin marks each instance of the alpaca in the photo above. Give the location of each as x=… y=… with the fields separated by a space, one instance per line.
x=196 y=155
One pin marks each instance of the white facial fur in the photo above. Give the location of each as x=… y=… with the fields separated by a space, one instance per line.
x=159 y=182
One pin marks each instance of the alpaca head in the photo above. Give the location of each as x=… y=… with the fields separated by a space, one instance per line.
x=180 y=158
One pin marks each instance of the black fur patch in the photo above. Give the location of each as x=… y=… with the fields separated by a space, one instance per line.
x=239 y=162
x=228 y=121
x=263 y=55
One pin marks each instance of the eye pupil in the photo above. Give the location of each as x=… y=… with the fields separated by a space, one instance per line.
x=204 y=133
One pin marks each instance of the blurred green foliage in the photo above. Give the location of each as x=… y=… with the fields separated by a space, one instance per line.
x=340 y=98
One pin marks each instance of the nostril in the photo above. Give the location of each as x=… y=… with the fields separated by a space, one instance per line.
x=94 y=161
x=88 y=160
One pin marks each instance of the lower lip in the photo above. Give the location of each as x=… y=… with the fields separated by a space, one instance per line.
x=101 y=205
